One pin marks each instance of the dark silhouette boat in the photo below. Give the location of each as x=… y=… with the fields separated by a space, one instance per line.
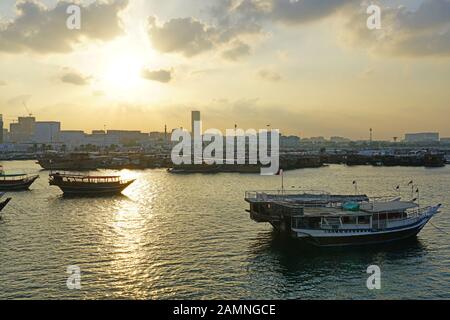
x=3 y=204
x=16 y=182
x=73 y=184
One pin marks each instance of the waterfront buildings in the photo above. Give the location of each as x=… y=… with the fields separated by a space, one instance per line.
x=26 y=133
x=422 y=137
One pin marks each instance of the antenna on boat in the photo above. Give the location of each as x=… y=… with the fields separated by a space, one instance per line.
x=418 y=196
x=281 y=173
x=411 y=183
x=398 y=190
x=355 y=183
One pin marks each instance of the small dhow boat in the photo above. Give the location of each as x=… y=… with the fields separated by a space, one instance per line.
x=324 y=219
x=73 y=184
x=3 y=204
x=16 y=182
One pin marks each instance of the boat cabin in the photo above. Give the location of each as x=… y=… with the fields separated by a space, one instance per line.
x=329 y=212
x=66 y=178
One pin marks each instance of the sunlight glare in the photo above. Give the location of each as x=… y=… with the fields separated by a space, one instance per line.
x=123 y=72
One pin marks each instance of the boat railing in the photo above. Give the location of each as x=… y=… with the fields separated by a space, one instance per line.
x=419 y=212
x=385 y=198
x=279 y=194
x=15 y=177
x=89 y=179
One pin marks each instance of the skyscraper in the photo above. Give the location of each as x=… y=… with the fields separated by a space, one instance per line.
x=195 y=117
x=1 y=128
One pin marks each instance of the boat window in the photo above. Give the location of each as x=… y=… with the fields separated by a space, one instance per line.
x=349 y=220
x=395 y=215
x=364 y=220
x=306 y=223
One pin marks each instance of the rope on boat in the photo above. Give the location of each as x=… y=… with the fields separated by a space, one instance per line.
x=440 y=229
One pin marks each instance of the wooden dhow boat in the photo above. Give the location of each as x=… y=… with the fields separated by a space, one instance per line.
x=16 y=182
x=76 y=184
x=324 y=219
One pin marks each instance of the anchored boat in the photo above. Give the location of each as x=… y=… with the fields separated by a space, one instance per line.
x=324 y=219
x=15 y=182
x=72 y=184
x=3 y=204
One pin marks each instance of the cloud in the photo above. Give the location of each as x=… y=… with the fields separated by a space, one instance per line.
x=3 y=83
x=164 y=76
x=238 y=50
x=38 y=28
x=304 y=11
x=75 y=78
x=191 y=37
x=182 y=35
x=18 y=101
x=289 y=12
x=420 y=33
x=98 y=93
x=269 y=75
x=366 y=73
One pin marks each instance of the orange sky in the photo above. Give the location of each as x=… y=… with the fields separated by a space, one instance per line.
x=308 y=68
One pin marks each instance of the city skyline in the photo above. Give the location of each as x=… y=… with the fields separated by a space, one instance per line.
x=29 y=129
x=305 y=69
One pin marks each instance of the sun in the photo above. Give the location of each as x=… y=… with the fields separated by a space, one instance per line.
x=123 y=72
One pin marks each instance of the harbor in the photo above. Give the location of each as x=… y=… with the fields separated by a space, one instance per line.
x=171 y=236
x=289 y=160
x=225 y=159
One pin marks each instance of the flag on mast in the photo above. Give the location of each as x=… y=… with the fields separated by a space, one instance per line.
x=281 y=173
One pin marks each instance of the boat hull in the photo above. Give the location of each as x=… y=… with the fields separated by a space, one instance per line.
x=3 y=204
x=18 y=185
x=338 y=238
x=91 y=189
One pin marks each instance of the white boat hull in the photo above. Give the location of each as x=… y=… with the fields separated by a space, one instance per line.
x=348 y=237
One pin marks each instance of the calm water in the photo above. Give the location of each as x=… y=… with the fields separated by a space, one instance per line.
x=189 y=237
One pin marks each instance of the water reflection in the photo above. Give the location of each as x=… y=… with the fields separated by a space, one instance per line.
x=290 y=252
x=305 y=271
x=189 y=237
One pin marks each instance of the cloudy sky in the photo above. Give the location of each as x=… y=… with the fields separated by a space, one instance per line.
x=307 y=67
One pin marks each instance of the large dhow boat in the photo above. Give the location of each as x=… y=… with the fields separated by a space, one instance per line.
x=76 y=184
x=16 y=182
x=324 y=219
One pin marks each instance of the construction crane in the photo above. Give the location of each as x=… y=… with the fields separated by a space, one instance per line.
x=26 y=109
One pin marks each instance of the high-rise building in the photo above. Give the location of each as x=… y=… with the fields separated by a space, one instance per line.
x=23 y=130
x=195 y=117
x=46 y=132
x=1 y=128
x=422 y=137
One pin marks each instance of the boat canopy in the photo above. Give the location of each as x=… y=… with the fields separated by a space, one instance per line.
x=80 y=176
x=391 y=206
